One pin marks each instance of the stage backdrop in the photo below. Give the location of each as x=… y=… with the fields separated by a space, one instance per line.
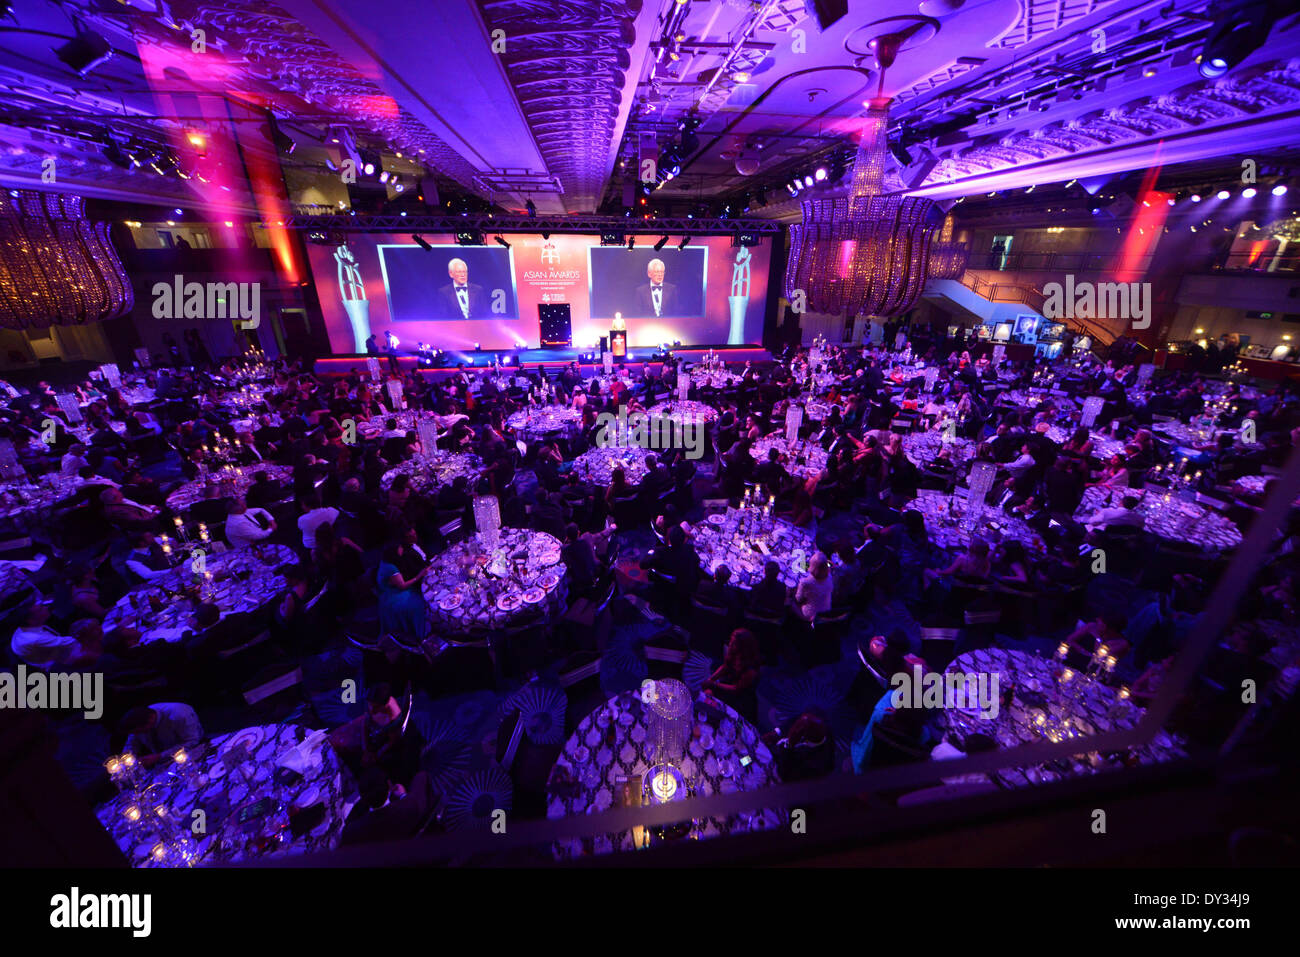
x=710 y=293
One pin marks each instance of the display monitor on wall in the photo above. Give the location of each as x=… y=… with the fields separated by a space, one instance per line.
x=459 y=297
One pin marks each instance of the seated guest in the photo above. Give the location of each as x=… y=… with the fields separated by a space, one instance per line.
x=401 y=606
x=769 y=595
x=74 y=460
x=1107 y=629
x=155 y=731
x=580 y=559
x=263 y=491
x=679 y=560
x=377 y=737
x=212 y=508
x=718 y=590
x=813 y=594
x=388 y=811
x=313 y=517
x=293 y=606
x=548 y=515
x=736 y=679
x=771 y=475
x=1111 y=516
x=123 y=512
x=806 y=751
x=247 y=526
x=147 y=561
x=36 y=643
x=455 y=495
x=84 y=601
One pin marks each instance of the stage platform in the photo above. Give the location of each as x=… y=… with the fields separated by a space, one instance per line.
x=552 y=359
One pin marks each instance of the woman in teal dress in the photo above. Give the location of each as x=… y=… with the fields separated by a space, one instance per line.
x=402 y=609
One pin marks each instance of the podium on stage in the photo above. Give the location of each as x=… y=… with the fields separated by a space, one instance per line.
x=618 y=337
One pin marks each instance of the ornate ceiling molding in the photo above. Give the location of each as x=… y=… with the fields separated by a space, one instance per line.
x=1270 y=88
x=1038 y=18
x=566 y=62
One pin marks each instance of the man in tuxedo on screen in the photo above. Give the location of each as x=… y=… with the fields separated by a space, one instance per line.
x=656 y=297
x=461 y=299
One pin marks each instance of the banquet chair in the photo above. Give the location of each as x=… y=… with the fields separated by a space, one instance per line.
x=666 y=652
x=627 y=510
x=275 y=692
x=768 y=628
x=710 y=625
x=822 y=643
x=938 y=646
x=579 y=676
x=527 y=762
x=462 y=662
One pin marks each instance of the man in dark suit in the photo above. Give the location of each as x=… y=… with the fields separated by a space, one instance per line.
x=388 y=812
x=461 y=299
x=656 y=298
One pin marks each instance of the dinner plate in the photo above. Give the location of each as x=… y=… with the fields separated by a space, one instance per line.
x=451 y=602
x=534 y=595
x=509 y=602
x=249 y=737
x=308 y=797
x=548 y=580
x=716 y=519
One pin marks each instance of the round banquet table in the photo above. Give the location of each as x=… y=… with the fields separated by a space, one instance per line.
x=1254 y=485
x=1170 y=517
x=712 y=379
x=1090 y=708
x=1103 y=446
x=30 y=503
x=215 y=781
x=233 y=482
x=430 y=472
x=946 y=529
x=1029 y=399
x=924 y=447
x=243 y=580
x=1186 y=435
x=816 y=410
x=469 y=587
x=535 y=423
x=733 y=539
x=83 y=433
x=597 y=465
x=802 y=458
x=689 y=412
x=612 y=743
x=375 y=426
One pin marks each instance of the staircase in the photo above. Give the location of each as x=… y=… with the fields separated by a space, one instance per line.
x=1002 y=302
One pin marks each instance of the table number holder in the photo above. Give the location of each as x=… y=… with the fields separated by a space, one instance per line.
x=142 y=357
x=111 y=374
x=683 y=386
x=931 y=377
x=395 y=395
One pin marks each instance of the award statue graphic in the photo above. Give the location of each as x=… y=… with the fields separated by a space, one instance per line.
x=739 y=297
x=353 y=293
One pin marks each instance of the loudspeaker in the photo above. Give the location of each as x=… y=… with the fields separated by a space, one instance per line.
x=827 y=12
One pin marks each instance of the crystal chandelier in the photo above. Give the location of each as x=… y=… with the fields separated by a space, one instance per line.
x=868 y=254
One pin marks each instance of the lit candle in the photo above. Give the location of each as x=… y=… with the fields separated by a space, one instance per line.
x=1123 y=693
x=180 y=756
x=113 y=766
x=1101 y=652
x=1067 y=675
x=132 y=813
x=1062 y=650
x=664 y=786
x=177 y=521
x=128 y=760
x=159 y=851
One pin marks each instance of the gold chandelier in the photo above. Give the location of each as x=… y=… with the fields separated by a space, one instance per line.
x=868 y=254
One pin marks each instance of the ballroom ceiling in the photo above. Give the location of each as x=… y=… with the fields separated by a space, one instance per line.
x=555 y=101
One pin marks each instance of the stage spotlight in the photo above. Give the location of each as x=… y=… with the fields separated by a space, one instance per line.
x=808 y=181
x=531 y=207
x=792 y=189
x=383 y=177
x=178 y=211
x=84 y=52
x=1249 y=192
x=1279 y=190
x=1222 y=194
x=631 y=242
x=901 y=154
x=422 y=243
x=114 y=154
x=820 y=174
x=1236 y=34
x=502 y=242
x=661 y=244
x=1196 y=197
x=685 y=240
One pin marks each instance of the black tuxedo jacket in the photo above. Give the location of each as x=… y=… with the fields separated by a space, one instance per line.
x=449 y=305
x=667 y=300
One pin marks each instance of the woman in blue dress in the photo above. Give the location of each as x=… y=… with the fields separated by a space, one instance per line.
x=402 y=609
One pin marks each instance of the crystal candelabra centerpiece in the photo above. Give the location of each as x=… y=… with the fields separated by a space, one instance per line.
x=487 y=519
x=668 y=719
